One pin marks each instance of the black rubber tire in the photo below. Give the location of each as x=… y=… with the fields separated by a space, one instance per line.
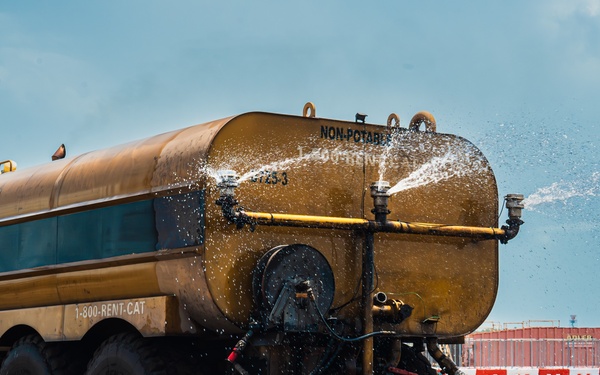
x=180 y=359
x=414 y=361
x=30 y=355
x=126 y=354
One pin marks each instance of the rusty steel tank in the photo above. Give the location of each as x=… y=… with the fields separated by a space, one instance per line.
x=278 y=232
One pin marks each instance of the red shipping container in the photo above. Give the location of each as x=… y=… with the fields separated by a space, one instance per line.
x=533 y=347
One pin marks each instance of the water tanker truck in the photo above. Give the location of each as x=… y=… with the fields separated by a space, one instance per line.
x=255 y=244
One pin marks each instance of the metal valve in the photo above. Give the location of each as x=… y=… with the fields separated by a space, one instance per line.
x=514 y=204
x=379 y=193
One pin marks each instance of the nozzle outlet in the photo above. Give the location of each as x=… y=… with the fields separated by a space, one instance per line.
x=380 y=298
x=227 y=181
x=379 y=193
x=514 y=205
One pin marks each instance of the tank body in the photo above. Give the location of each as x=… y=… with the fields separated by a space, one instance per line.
x=305 y=166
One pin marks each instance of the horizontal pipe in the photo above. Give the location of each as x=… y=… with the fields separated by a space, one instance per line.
x=289 y=220
x=328 y=222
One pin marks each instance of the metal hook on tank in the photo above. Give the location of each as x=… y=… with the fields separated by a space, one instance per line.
x=393 y=122
x=423 y=117
x=309 y=107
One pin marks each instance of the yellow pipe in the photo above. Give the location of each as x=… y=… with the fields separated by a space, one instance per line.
x=442 y=230
x=329 y=222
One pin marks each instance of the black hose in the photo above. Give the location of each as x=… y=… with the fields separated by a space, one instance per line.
x=327 y=358
x=341 y=338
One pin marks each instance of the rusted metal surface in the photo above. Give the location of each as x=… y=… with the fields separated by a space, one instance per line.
x=152 y=316
x=330 y=167
x=80 y=286
x=338 y=162
x=126 y=172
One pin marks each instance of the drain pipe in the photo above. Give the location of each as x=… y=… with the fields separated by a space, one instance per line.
x=446 y=364
x=367 y=301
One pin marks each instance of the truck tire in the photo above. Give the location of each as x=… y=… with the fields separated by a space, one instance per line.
x=180 y=359
x=30 y=355
x=126 y=354
x=414 y=361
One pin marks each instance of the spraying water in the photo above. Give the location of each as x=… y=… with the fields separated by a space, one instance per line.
x=316 y=155
x=564 y=190
x=388 y=150
x=437 y=169
x=452 y=160
x=286 y=163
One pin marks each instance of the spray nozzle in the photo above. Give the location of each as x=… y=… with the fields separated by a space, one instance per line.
x=379 y=193
x=227 y=181
x=380 y=188
x=514 y=204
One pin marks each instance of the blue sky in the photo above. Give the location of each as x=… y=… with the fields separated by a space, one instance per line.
x=520 y=79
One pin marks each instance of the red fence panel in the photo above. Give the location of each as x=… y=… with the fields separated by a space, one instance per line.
x=491 y=372
x=554 y=371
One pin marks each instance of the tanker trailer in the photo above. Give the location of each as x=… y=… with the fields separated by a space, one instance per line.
x=256 y=244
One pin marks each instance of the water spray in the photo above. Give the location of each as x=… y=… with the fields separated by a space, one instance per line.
x=562 y=191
